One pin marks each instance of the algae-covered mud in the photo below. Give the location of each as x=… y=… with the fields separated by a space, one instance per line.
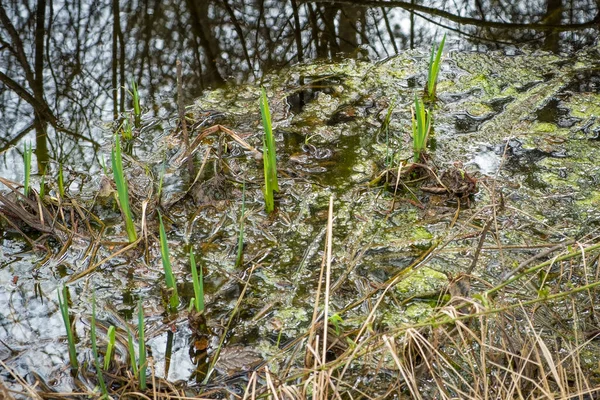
x=483 y=257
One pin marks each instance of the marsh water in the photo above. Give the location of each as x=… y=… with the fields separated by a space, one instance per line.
x=517 y=112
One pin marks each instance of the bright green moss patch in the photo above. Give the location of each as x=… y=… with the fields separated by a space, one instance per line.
x=422 y=282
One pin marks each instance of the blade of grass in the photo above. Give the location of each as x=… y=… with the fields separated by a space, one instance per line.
x=198 y=281
x=64 y=310
x=122 y=190
x=420 y=128
x=95 y=350
x=434 y=69
x=142 y=347
x=269 y=154
x=61 y=181
x=137 y=110
x=27 y=166
x=131 y=349
x=169 y=278
x=109 y=347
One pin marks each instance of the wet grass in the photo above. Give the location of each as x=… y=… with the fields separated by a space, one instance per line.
x=166 y=262
x=64 y=311
x=269 y=155
x=421 y=124
x=122 y=189
x=27 y=151
x=435 y=63
x=198 y=282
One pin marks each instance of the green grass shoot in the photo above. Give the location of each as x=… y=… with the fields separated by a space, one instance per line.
x=142 y=347
x=27 y=164
x=109 y=347
x=126 y=129
x=122 y=190
x=269 y=155
x=95 y=350
x=131 y=350
x=434 y=69
x=64 y=310
x=240 y=250
x=421 y=123
x=137 y=110
x=166 y=261
x=61 y=181
x=198 y=281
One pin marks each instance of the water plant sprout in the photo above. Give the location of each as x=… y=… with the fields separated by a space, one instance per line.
x=421 y=124
x=27 y=165
x=64 y=310
x=122 y=190
x=434 y=69
x=137 y=110
x=198 y=282
x=166 y=261
x=131 y=350
x=142 y=347
x=61 y=181
x=269 y=156
x=95 y=351
x=110 y=346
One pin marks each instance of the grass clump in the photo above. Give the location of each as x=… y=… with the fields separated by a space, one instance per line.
x=434 y=69
x=169 y=277
x=269 y=155
x=122 y=189
x=64 y=311
x=421 y=124
x=198 y=281
x=27 y=165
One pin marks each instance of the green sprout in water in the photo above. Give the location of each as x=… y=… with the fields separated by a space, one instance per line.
x=142 y=347
x=198 y=281
x=385 y=127
x=95 y=350
x=110 y=346
x=64 y=310
x=269 y=156
x=137 y=110
x=61 y=181
x=131 y=350
x=122 y=190
x=434 y=69
x=169 y=278
x=27 y=164
x=421 y=123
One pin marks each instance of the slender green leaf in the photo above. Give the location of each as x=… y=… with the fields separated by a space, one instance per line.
x=95 y=350
x=64 y=310
x=240 y=250
x=109 y=347
x=142 y=347
x=169 y=278
x=434 y=68
x=198 y=281
x=122 y=189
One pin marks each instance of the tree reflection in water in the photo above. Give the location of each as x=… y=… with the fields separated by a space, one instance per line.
x=65 y=64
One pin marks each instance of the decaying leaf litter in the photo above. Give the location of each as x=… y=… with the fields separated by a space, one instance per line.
x=483 y=277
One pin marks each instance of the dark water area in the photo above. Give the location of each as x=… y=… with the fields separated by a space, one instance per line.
x=66 y=66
